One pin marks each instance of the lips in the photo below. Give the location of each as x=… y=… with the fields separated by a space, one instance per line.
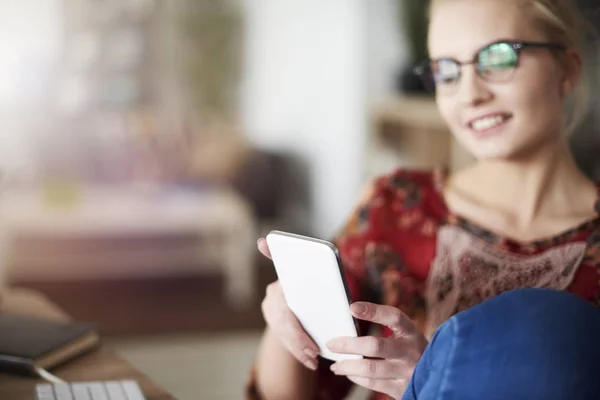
x=488 y=122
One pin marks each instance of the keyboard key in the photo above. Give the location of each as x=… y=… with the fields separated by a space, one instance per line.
x=63 y=391
x=115 y=390
x=133 y=390
x=98 y=391
x=103 y=390
x=80 y=391
x=44 y=390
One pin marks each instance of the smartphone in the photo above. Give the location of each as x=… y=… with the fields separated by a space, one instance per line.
x=315 y=289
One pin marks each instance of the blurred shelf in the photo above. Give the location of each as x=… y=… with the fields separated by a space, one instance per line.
x=408 y=131
x=418 y=111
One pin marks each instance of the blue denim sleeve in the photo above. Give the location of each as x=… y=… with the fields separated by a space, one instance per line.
x=428 y=374
x=523 y=344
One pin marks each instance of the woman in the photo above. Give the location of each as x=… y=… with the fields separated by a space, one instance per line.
x=424 y=246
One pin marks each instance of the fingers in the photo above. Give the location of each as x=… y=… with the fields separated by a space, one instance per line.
x=392 y=387
x=263 y=248
x=388 y=316
x=288 y=330
x=384 y=376
x=370 y=346
x=376 y=369
x=299 y=343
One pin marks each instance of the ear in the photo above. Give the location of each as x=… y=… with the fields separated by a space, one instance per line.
x=572 y=67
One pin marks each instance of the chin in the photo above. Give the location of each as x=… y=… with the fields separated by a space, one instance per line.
x=491 y=157
x=492 y=152
x=498 y=153
x=500 y=147
x=510 y=144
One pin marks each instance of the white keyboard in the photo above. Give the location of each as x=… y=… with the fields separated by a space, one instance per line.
x=106 y=390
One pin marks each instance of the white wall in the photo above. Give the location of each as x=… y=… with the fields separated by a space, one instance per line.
x=312 y=68
x=387 y=49
x=30 y=40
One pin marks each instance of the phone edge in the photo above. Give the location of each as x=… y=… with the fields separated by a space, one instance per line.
x=338 y=257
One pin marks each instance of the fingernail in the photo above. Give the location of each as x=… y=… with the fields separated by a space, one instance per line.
x=312 y=353
x=311 y=364
x=333 y=368
x=358 y=308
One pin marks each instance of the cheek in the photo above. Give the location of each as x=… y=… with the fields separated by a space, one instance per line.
x=537 y=90
x=537 y=102
x=451 y=111
x=448 y=108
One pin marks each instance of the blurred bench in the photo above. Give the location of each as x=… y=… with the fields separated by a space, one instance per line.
x=120 y=232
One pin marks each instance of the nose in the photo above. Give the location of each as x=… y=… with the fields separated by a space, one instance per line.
x=473 y=91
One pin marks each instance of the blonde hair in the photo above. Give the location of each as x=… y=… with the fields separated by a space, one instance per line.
x=563 y=23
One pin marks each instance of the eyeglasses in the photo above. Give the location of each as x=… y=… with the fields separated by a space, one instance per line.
x=496 y=62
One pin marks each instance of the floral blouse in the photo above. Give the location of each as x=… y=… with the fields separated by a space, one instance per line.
x=403 y=247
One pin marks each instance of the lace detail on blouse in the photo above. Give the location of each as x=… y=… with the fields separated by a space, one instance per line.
x=467 y=270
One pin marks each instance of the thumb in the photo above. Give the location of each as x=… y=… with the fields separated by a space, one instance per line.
x=384 y=315
x=263 y=248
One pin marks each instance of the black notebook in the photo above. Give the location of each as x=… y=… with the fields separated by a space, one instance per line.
x=27 y=344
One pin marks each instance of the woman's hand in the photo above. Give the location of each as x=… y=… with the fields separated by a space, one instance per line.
x=284 y=324
x=391 y=360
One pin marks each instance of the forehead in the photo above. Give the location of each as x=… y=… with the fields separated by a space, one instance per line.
x=458 y=28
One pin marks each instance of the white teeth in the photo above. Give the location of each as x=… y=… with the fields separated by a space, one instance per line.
x=487 y=122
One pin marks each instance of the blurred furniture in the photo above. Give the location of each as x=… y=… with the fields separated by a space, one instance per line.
x=147 y=232
x=261 y=181
x=258 y=175
x=99 y=365
x=274 y=183
x=409 y=131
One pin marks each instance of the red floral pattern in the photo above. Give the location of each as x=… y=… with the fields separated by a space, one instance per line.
x=402 y=247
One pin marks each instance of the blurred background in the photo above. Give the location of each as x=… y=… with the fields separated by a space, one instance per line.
x=146 y=144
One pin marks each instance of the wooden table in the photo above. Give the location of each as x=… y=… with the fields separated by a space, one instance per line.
x=99 y=365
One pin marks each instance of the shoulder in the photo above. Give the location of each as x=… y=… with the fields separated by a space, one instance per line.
x=408 y=189
x=401 y=198
x=413 y=180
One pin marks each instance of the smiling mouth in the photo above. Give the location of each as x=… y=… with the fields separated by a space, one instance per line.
x=489 y=122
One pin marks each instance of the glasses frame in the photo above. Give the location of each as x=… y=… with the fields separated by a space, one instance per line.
x=424 y=68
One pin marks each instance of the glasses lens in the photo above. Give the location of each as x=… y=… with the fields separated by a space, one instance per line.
x=497 y=62
x=445 y=74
